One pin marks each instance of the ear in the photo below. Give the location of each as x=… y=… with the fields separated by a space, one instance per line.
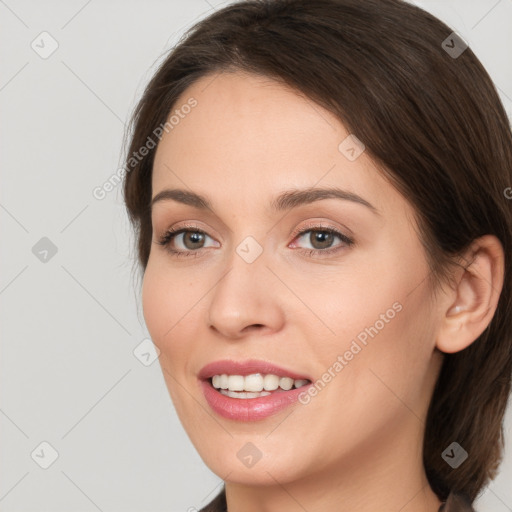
x=469 y=305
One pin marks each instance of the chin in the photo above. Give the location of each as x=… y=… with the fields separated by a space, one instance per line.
x=241 y=461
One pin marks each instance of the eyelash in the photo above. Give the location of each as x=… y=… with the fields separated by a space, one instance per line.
x=172 y=233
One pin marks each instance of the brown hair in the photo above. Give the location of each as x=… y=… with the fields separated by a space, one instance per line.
x=433 y=123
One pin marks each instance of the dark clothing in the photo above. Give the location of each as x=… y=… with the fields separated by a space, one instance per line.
x=454 y=503
x=457 y=503
x=218 y=504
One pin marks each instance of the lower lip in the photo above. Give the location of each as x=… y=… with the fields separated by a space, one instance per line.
x=250 y=409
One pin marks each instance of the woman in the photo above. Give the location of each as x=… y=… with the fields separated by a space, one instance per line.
x=318 y=190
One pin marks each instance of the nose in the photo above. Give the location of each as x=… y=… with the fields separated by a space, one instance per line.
x=245 y=300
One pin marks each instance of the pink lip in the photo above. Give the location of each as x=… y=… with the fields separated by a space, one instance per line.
x=250 y=409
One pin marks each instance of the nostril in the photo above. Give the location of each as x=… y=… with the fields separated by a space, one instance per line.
x=253 y=326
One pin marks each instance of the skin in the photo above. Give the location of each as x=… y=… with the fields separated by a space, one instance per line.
x=356 y=446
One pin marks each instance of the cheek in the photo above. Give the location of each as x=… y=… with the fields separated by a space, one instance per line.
x=166 y=301
x=164 y=309
x=155 y=303
x=380 y=339
x=172 y=309
x=165 y=315
x=377 y=391
x=386 y=360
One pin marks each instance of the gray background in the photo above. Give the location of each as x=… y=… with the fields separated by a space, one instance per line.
x=68 y=374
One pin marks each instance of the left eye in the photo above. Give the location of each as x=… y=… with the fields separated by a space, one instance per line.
x=322 y=238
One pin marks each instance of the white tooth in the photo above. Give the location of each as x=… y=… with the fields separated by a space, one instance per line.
x=243 y=395
x=253 y=382
x=223 y=381
x=285 y=383
x=236 y=383
x=257 y=395
x=270 y=382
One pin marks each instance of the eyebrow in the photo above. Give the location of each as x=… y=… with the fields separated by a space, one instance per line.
x=285 y=201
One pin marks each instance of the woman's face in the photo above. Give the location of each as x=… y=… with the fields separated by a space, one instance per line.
x=270 y=284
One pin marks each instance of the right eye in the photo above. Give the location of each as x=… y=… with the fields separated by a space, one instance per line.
x=191 y=240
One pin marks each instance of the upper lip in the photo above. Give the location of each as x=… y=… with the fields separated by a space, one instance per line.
x=247 y=367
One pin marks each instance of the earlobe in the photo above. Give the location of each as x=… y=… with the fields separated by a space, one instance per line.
x=469 y=307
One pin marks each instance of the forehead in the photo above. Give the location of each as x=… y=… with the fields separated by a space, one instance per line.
x=252 y=136
x=238 y=113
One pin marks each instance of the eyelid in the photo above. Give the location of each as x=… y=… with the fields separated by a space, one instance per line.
x=188 y=226
x=347 y=241
x=175 y=231
x=310 y=225
x=319 y=225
